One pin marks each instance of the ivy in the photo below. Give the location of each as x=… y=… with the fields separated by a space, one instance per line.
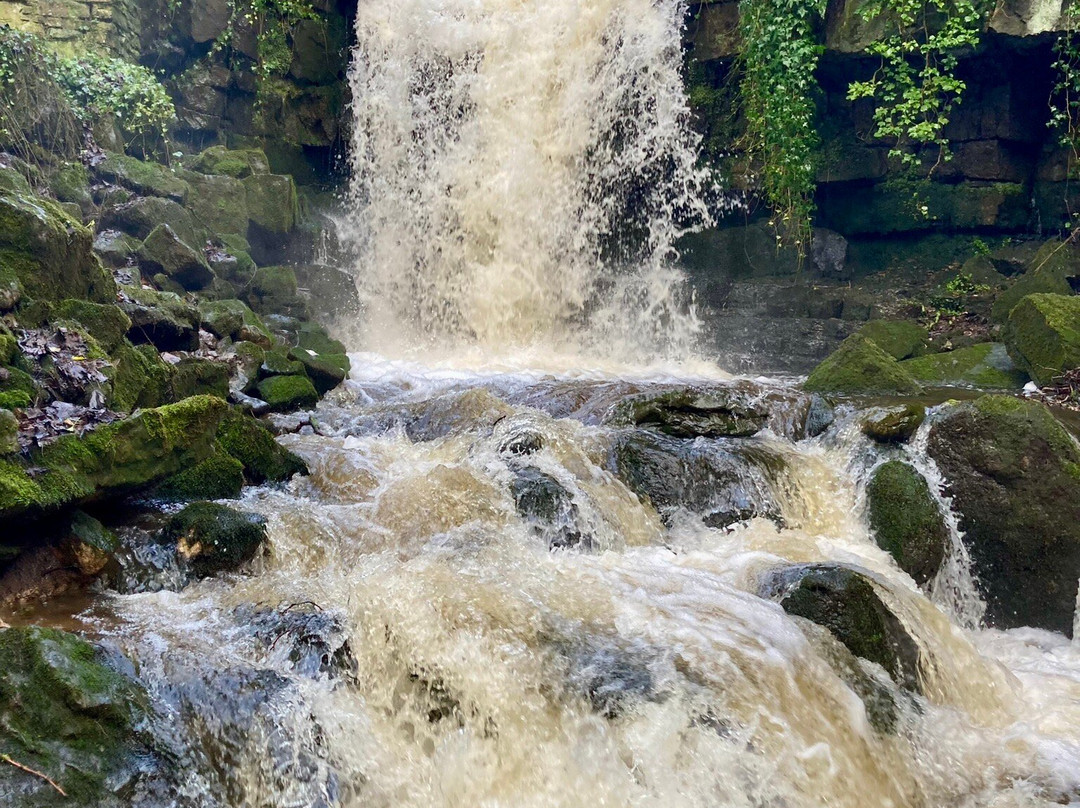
x=272 y=21
x=99 y=85
x=1065 y=98
x=916 y=88
x=778 y=88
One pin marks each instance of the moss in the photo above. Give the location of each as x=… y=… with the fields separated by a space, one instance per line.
x=860 y=366
x=278 y=363
x=214 y=538
x=263 y=458
x=986 y=366
x=162 y=319
x=272 y=202
x=288 y=393
x=9 y=432
x=19 y=385
x=64 y=712
x=145 y=178
x=906 y=521
x=1043 y=335
x=274 y=290
x=1048 y=273
x=105 y=323
x=901 y=339
x=195 y=377
x=326 y=371
x=71 y=183
x=220 y=202
x=233 y=318
x=237 y=163
x=220 y=476
x=313 y=337
x=9 y=347
x=139 y=378
x=894 y=424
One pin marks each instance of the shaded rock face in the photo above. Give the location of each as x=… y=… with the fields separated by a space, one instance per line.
x=844 y=601
x=1013 y=473
x=906 y=521
x=64 y=711
x=723 y=482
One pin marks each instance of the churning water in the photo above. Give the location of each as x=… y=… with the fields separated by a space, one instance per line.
x=419 y=636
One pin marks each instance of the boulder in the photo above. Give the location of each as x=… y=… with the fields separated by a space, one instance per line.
x=288 y=393
x=116 y=248
x=262 y=457
x=105 y=323
x=220 y=203
x=213 y=538
x=1043 y=335
x=272 y=203
x=235 y=163
x=548 y=507
x=900 y=339
x=196 y=377
x=220 y=476
x=1050 y=272
x=92 y=545
x=139 y=378
x=139 y=217
x=47 y=255
x=278 y=363
x=70 y=182
x=112 y=460
x=163 y=251
x=319 y=45
x=273 y=290
x=906 y=521
x=232 y=318
x=144 y=178
x=844 y=600
x=66 y=712
x=722 y=482
x=9 y=432
x=986 y=366
x=326 y=371
x=1013 y=474
x=860 y=366
x=893 y=424
x=161 y=319
x=689 y=413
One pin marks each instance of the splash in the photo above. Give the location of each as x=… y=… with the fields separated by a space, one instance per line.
x=522 y=171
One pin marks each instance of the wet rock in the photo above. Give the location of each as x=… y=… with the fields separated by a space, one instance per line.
x=900 y=339
x=145 y=178
x=860 y=366
x=724 y=483
x=326 y=371
x=161 y=319
x=272 y=203
x=689 y=413
x=263 y=458
x=521 y=441
x=315 y=642
x=288 y=393
x=139 y=378
x=278 y=363
x=274 y=290
x=893 y=424
x=236 y=163
x=468 y=411
x=199 y=377
x=112 y=460
x=611 y=677
x=906 y=520
x=65 y=713
x=1013 y=473
x=986 y=366
x=549 y=507
x=220 y=476
x=139 y=217
x=232 y=318
x=1050 y=272
x=844 y=601
x=218 y=200
x=164 y=252
x=1043 y=335
x=213 y=538
x=91 y=544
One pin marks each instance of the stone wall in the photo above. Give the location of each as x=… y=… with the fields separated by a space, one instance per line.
x=73 y=26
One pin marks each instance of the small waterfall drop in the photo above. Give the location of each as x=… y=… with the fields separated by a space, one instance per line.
x=521 y=173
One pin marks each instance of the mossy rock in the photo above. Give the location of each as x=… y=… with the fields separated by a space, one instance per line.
x=116 y=248
x=139 y=378
x=12 y=180
x=92 y=545
x=1013 y=475
x=690 y=413
x=113 y=460
x=70 y=182
x=272 y=203
x=48 y=253
x=844 y=600
x=233 y=318
x=214 y=538
x=1043 y=335
x=249 y=358
x=986 y=366
x=165 y=252
x=142 y=177
x=900 y=339
x=196 y=377
x=139 y=217
x=313 y=337
x=893 y=424
x=860 y=366
x=274 y=290
x=161 y=319
x=220 y=476
x=65 y=712
x=219 y=202
x=326 y=371
x=263 y=458
x=278 y=363
x=1049 y=273
x=288 y=393
x=236 y=163
x=106 y=323
x=9 y=432
x=17 y=388
x=906 y=521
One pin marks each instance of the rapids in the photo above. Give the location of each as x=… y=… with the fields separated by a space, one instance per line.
x=415 y=637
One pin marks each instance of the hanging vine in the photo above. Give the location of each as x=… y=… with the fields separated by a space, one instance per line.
x=1065 y=98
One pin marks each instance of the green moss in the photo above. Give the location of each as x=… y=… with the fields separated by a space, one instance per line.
x=64 y=712
x=894 y=424
x=986 y=366
x=237 y=163
x=71 y=183
x=860 y=366
x=214 y=538
x=263 y=458
x=278 y=363
x=326 y=371
x=901 y=339
x=1048 y=273
x=906 y=521
x=9 y=432
x=313 y=337
x=272 y=202
x=18 y=385
x=15 y=399
x=139 y=378
x=145 y=178
x=195 y=377
x=220 y=476
x=1043 y=335
x=105 y=323
x=288 y=393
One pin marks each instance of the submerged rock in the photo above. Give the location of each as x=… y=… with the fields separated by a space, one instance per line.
x=549 y=507
x=1043 y=335
x=893 y=424
x=68 y=715
x=844 y=601
x=689 y=413
x=860 y=366
x=906 y=521
x=723 y=482
x=213 y=538
x=315 y=642
x=1013 y=473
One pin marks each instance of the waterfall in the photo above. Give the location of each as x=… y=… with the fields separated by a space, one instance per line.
x=521 y=172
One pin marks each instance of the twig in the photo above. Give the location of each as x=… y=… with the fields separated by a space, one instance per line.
x=7 y=759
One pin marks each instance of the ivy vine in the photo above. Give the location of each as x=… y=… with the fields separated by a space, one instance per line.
x=1065 y=97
